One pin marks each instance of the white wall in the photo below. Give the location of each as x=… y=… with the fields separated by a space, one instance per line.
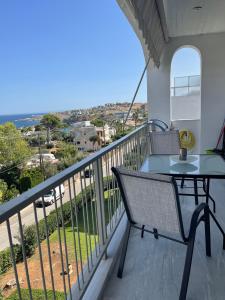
x=185 y=107
x=212 y=50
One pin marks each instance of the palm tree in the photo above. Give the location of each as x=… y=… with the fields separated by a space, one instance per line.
x=135 y=117
x=95 y=139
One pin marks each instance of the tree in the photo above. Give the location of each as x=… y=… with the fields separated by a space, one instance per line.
x=12 y=192
x=98 y=122
x=95 y=139
x=13 y=148
x=118 y=126
x=50 y=122
x=11 y=175
x=3 y=190
x=30 y=178
x=67 y=154
x=135 y=117
x=7 y=193
x=26 y=129
x=38 y=127
x=49 y=170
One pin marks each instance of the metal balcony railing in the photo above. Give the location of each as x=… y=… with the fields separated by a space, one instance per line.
x=185 y=86
x=59 y=246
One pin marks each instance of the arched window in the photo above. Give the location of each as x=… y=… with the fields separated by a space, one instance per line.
x=185 y=85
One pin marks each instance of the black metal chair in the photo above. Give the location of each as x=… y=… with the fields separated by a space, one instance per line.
x=152 y=200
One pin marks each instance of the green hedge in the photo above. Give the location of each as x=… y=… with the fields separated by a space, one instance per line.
x=30 y=236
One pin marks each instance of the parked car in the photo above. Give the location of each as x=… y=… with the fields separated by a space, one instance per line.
x=49 y=198
x=87 y=173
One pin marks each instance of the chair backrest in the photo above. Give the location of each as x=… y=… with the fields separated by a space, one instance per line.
x=151 y=200
x=165 y=142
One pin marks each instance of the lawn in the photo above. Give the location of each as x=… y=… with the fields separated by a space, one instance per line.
x=37 y=295
x=88 y=237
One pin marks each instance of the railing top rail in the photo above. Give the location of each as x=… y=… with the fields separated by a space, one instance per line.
x=188 y=76
x=186 y=81
x=185 y=86
x=13 y=206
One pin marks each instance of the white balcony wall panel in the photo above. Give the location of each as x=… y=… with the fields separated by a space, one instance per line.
x=185 y=107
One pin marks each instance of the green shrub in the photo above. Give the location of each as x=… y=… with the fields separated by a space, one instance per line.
x=5 y=260
x=30 y=178
x=18 y=252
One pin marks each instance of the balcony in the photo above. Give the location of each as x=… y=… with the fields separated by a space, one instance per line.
x=153 y=268
x=57 y=248
x=78 y=238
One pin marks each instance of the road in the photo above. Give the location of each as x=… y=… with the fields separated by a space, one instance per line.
x=27 y=214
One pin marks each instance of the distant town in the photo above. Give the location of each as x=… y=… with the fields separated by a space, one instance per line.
x=31 y=154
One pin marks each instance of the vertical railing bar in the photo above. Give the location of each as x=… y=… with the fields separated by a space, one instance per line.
x=107 y=190
x=100 y=200
x=119 y=199
x=136 y=151
x=74 y=236
x=109 y=194
x=117 y=164
x=96 y=214
x=133 y=154
x=65 y=243
x=122 y=158
x=111 y=188
x=60 y=244
x=103 y=203
x=84 y=219
x=78 y=231
x=130 y=154
x=13 y=258
x=125 y=155
x=48 y=246
x=92 y=213
x=24 y=254
x=113 y=181
x=87 y=216
x=114 y=202
x=121 y=163
x=139 y=149
x=40 y=251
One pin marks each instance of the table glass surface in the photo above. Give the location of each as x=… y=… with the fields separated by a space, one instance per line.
x=197 y=165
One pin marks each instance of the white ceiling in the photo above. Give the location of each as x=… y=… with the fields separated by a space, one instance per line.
x=183 y=20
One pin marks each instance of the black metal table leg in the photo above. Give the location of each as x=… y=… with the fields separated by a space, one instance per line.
x=206 y=188
x=207 y=191
x=196 y=190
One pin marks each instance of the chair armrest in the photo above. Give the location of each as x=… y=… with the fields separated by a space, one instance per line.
x=195 y=220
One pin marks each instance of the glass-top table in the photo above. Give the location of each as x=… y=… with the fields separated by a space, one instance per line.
x=200 y=166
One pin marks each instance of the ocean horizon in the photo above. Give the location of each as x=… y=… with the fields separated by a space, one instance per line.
x=21 y=120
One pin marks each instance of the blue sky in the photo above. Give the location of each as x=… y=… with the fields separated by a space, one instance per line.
x=185 y=62
x=57 y=55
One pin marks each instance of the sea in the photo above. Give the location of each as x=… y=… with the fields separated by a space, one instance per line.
x=22 y=120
